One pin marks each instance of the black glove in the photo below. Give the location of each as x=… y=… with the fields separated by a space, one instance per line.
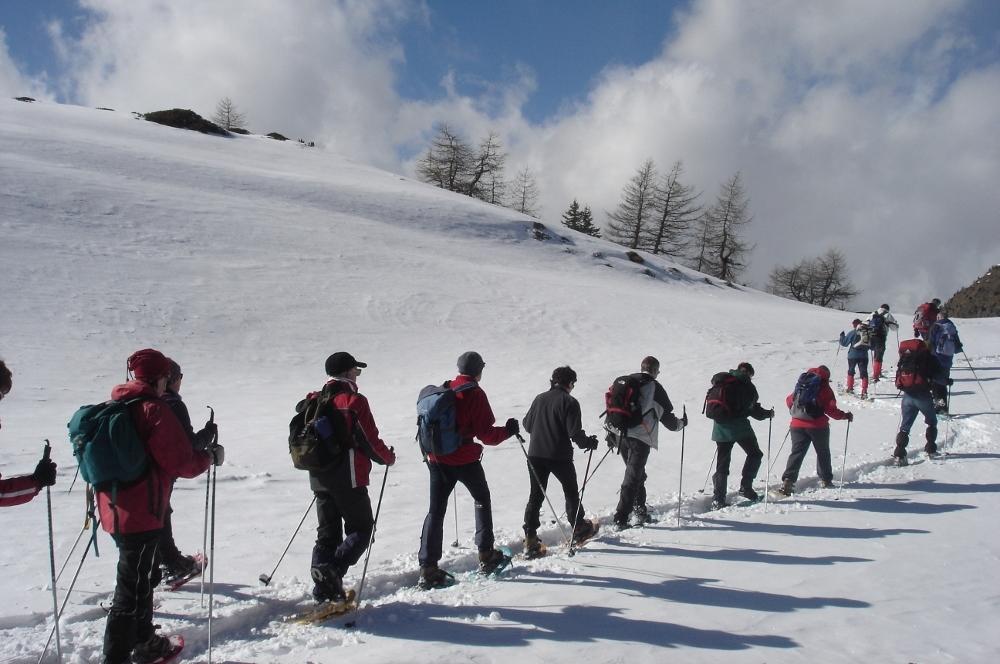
x=205 y=437
x=45 y=472
x=951 y=381
x=512 y=427
x=683 y=420
x=841 y=335
x=959 y=349
x=770 y=414
x=612 y=441
x=590 y=444
x=850 y=417
x=218 y=453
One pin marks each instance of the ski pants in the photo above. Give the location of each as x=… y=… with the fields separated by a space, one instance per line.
x=565 y=472
x=750 y=467
x=940 y=386
x=339 y=512
x=634 y=453
x=130 y=620
x=801 y=437
x=914 y=404
x=443 y=480
x=861 y=364
x=878 y=349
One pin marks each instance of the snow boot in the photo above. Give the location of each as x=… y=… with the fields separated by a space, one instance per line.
x=585 y=530
x=490 y=560
x=718 y=504
x=152 y=650
x=931 y=447
x=826 y=484
x=432 y=576
x=328 y=583
x=179 y=567
x=533 y=547
x=902 y=440
x=787 y=488
x=748 y=493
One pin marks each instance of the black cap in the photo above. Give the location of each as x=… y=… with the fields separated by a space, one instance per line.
x=746 y=368
x=470 y=363
x=340 y=362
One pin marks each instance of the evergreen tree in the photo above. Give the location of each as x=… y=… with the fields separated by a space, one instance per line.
x=524 y=197
x=587 y=223
x=632 y=217
x=722 y=251
x=571 y=217
x=675 y=214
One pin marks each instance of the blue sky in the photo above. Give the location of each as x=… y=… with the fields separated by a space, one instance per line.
x=862 y=125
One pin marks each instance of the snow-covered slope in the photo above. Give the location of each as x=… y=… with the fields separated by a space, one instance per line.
x=249 y=261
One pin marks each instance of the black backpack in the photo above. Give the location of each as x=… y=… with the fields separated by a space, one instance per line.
x=318 y=434
x=877 y=326
x=727 y=398
x=623 y=405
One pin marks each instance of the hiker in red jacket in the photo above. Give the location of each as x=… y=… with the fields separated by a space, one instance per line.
x=924 y=317
x=133 y=513
x=21 y=489
x=815 y=429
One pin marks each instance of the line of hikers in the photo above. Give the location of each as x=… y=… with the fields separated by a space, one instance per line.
x=335 y=438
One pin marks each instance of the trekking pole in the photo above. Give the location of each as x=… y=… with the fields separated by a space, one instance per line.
x=73 y=483
x=52 y=555
x=70 y=554
x=204 y=532
x=455 y=510
x=767 y=475
x=266 y=578
x=977 y=379
x=778 y=453
x=371 y=540
x=680 y=482
x=579 y=505
x=591 y=476
x=534 y=475
x=710 y=467
x=91 y=542
x=843 y=469
x=211 y=556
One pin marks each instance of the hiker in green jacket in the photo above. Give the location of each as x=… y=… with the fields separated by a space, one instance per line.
x=737 y=431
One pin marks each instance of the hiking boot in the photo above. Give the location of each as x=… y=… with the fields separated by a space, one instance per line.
x=718 y=504
x=152 y=650
x=642 y=518
x=584 y=531
x=787 y=488
x=849 y=390
x=621 y=524
x=180 y=567
x=533 y=547
x=432 y=576
x=748 y=493
x=826 y=484
x=329 y=583
x=864 y=395
x=900 y=461
x=490 y=560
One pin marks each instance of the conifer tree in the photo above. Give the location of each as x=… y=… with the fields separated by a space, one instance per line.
x=675 y=214
x=722 y=251
x=632 y=217
x=524 y=197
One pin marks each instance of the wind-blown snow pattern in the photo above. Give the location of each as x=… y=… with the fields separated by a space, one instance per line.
x=249 y=261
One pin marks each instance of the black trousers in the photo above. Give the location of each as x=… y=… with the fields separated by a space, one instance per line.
x=344 y=527
x=634 y=453
x=443 y=480
x=750 y=467
x=565 y=472
x=801 y=438
x=130 y=620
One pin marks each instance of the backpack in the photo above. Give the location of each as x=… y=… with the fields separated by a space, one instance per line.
x=864 y=336
x=437 y=420
x=106 y=445
x=946 y=340
x=623 y=405
x=911 y=371
x=805 y=397
x=727 y=398
x=318 y=434
x=876 y=324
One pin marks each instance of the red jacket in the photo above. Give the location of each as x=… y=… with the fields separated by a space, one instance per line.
x=474 y=419
x=141 y=505
x=18 y=490
x=825 y=399
x=358 y=413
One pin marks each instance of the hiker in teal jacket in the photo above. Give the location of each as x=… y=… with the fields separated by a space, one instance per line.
x=737 y=431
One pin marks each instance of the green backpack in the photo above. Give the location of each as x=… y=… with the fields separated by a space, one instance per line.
x=106 y=445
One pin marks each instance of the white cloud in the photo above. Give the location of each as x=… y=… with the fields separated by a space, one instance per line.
x=13 y=83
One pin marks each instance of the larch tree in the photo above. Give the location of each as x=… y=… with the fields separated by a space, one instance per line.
x=630 y=220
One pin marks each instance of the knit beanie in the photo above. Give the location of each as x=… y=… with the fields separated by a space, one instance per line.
x=148 y=365
x=470 y=363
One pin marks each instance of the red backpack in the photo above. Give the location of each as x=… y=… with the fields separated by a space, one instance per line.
x=912 y=371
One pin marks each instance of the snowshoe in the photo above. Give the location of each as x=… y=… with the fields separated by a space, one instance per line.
x=749 y=494
x=327 y=609
x=329 y=584
x=432 y=577
x=182 y=570
x=534 y=548
x=493 y=562
x=158 y=649
x=586 y=531
x=718 y=504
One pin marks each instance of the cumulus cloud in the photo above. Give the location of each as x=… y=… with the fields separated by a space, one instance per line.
x=13 y=83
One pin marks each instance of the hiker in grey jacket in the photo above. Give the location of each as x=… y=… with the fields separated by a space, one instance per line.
x=554 y=424
x=634 y=448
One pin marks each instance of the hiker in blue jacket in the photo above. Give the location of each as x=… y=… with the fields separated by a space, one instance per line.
x=944 y=344
x=857 y=355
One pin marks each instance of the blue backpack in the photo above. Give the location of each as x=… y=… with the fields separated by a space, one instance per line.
x=946 y=340
x=106 y=445
x=805 y=398
x=876 y=325
x=437 y=431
